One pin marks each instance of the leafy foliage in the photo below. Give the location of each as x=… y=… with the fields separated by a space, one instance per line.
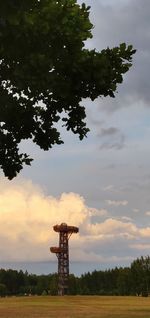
x=46 y=71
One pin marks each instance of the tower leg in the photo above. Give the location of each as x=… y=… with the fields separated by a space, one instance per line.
x=63 y=264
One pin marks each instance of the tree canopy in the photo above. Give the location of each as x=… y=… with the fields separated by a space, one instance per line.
x=45 y=73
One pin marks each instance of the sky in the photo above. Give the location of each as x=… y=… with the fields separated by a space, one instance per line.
x=101 y=184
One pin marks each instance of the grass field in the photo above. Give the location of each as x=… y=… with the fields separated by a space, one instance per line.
x=75 y=307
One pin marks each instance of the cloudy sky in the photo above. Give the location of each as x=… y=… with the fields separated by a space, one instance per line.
x=101 y=184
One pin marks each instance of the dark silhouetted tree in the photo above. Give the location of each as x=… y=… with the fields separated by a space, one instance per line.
x=140 y=269
x=46 y=71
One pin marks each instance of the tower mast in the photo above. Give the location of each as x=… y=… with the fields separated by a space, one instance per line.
x=62 y=253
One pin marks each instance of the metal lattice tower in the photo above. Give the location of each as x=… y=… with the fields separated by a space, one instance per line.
x=62 y=253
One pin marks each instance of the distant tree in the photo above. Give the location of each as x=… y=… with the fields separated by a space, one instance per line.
x=46 y=71
x=140 y=269
x=124 y=285
x=53 y=284
x=42 y=284
x=3 y=290
x=74 y=285
x=20 y=280
x=11 y=281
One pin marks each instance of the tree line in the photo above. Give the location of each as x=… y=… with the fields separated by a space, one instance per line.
x=133 y=280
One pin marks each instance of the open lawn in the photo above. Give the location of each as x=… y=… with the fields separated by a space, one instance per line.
x=74 y=307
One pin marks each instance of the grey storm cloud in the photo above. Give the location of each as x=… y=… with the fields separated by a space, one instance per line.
x=125 y=21
x=111 y=138
x=118 y=145
x=109 y=131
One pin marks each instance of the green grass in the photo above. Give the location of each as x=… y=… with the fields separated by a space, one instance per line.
x=75 y=307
